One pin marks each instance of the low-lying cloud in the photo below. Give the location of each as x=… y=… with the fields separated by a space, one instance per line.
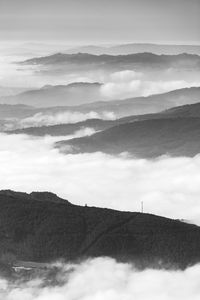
x=45 y=119
x=124 y=76
x=167 y=186
x=104 y=278
x=41 y=119
x=127 y=84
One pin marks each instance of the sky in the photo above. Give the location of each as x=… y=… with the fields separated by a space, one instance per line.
x=102 y=21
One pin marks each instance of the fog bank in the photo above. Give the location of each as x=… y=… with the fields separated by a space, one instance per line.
x=104 y=278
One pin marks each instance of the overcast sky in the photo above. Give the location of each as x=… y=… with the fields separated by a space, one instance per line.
x=102 y=21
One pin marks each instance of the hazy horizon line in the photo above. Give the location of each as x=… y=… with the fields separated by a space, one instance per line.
x=95 y=43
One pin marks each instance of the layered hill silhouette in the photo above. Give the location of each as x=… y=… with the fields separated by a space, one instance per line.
x=8 y=111
x=41 y=227
x=66 y=129
x=136 y=48
x=188 y=110
x=144 y=139
x=123 y=62
x=8 y=91
x=120 y=108
x=58 y=95
x=184 y=111
x=145 y=105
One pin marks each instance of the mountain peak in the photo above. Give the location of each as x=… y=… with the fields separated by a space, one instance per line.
x=39 y=196
x=48 y=197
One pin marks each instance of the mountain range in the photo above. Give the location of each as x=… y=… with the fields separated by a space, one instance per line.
x=145 y=105
x=15 y=111
x=9 y=91
x=184 y=111
x=124 y=62
x=69 y=96
x=136 y=48
x=143 y=139
x=58 y=95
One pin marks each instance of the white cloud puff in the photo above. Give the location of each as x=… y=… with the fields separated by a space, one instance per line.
x=128 y=83
x=119 y=89
x=48 y=119
x=67 y=117
x=125 y=76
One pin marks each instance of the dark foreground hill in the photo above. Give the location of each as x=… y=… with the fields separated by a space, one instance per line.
x=145 y=139
x=41 y=227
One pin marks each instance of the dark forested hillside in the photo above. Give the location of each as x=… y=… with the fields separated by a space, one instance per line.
x=145 y=139
x=42 y=227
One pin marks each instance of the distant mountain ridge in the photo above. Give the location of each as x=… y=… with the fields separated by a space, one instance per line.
x=145 y=105
x=15 y=110
x=136 y=48
x=184 y=111
x=72 y=94
x=127 y=110
x=143 y=139
x=121 y=108
x=146 y=59
x=8 y=91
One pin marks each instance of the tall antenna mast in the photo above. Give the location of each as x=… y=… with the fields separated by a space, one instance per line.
x=142 y=207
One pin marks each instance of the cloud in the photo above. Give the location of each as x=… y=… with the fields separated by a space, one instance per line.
x=126 y=84
x=104 y=278
x=167 y=186
x=125 y=76
x=67 y=117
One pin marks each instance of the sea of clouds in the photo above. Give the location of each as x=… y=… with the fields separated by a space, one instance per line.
x=104 y=278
